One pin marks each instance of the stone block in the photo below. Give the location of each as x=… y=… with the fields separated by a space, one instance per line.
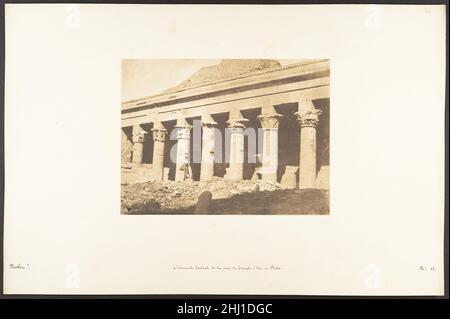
x=289 y=178
x=323 y=177
x=166 y=173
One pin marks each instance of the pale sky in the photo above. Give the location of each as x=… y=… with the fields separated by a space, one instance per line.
x=147 y=77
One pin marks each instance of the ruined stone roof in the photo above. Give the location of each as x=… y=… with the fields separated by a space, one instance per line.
x=227 y=68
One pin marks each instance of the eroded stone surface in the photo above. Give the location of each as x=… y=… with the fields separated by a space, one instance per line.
x=227 y=68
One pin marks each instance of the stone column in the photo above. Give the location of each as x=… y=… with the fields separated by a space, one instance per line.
x=269 y=123
x=138 y=144
x=308 y=119
x=159 y=139
x=183 y=147
x=208 y=139
x=236 y=127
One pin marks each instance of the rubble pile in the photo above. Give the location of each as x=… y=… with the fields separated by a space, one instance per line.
x=173 y=196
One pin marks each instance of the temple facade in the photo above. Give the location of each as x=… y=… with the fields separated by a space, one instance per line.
x=288 y=108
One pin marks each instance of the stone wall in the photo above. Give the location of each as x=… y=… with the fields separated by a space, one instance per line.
x=126 y=145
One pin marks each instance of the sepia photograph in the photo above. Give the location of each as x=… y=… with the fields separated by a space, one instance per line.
x=237 y=136
x=224 y=150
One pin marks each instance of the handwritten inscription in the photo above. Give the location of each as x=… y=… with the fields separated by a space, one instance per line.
x=228 y=268
x=427 y=268
x=19 y=266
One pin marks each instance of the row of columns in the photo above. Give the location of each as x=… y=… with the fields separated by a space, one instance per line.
x=307 y=116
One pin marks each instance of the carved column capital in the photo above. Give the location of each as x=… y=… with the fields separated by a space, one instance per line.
x=209 y=124
x=236 y=120
x=308 y=118
x=159 y=131
x=139 y=135
x=159 y=134
x=269 y=121
x=237 y=123
x=208 y=121
x=183 y=132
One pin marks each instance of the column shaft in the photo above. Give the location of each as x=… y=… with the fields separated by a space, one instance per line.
x=269 y=167
x=236 y=126
x=208 y=139
x=159 y=137
x=308 y=120
x=138 y=144
x=308 y=170
x=269 y=122
x=183 y=153
x=236 y=168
